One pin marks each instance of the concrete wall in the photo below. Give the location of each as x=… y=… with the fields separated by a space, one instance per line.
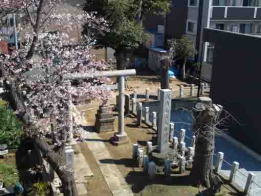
x=236 y=80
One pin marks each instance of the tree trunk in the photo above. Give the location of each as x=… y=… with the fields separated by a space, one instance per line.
x=201 y=173
x=184 y=69
x=120 y=59
x=67 y=177
x=32 y=48
x=164 y=74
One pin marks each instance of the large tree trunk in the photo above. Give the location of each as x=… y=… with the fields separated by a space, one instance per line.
x=67 y=177
x=204 y=128
x=184 y=69
x=120 y=56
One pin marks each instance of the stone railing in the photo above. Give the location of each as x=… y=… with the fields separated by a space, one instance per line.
x=183 y=146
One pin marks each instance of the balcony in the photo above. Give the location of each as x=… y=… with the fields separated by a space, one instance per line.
x=235 y=13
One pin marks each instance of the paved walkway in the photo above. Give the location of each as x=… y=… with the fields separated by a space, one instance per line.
x=113 y=177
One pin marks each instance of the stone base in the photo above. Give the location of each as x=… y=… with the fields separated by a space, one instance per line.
x=159 y=158
x=104 y=119
x=119 y=139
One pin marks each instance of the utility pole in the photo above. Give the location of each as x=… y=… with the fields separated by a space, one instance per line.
x=15 y=32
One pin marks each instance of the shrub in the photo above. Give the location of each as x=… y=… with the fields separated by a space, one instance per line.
x=10 y=128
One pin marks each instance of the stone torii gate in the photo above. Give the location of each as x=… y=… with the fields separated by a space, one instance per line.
x=121 y=74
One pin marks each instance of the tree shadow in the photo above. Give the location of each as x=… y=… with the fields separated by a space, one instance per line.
x=125 y=161
x=27 y=157
x=139 y=180
x=97 y=140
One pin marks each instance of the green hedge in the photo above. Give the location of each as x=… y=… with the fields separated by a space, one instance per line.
x=10 y=127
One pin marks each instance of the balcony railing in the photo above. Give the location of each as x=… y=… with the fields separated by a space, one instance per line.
x=235 y=13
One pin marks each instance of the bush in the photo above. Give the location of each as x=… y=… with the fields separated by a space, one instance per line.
x=10 y=128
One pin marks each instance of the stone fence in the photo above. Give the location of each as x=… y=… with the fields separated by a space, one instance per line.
x=146 y=111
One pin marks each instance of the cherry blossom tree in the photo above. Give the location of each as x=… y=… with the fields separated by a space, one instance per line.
x=45 y=94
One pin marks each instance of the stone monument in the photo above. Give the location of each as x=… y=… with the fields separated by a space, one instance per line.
x=104 y=119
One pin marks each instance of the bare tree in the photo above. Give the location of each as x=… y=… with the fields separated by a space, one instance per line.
x=207 y=119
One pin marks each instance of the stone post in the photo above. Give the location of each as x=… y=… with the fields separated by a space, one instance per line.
x=139 y=114
x=220 y=159
x=182 y=149
x=159 y=94
x=121 y=131
x=149 y=147
x=69 y=157
x=154 y=121
x=250 y=179
x=182 y=165
x=147 y=95
x=192 y=88
x=164 y=120
x=182 y=134
x=135 y=151
x=134 y=106
x=202 y=88
x=171 y=133
x=175 y=144
x=193 y=141
x=152 y=169
x=140 y=157
x=135 y=95
x=147 y=115
x=181 y=91
x=234 y=169
x=190 y=157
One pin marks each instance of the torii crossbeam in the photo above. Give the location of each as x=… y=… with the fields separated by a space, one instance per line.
x=121 y=135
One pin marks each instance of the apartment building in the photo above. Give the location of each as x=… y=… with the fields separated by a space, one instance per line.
x=190 y=17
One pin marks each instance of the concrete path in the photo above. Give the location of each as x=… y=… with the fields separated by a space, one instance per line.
x=81 y=171
x=113 y=177
x=111 y=173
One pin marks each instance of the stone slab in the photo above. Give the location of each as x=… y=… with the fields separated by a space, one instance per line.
x=113 y=177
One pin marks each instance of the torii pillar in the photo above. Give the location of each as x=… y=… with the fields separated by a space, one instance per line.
x=120 y=136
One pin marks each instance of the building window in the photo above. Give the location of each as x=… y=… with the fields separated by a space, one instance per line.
x=234 y=28
x=193 y=3
x=191 y=27
x=246 y=28
x=219 y=3
x=258 y=29
x=220 y=26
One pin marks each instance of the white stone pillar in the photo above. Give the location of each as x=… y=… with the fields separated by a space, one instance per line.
x=220 y=159
x=182 y=149
x=139 y=114
x=175 y=144
x=192 y=88
x=193 y=141
x=135 y=95
x=171 y=132
x=121 y=131
x=134 y=105
x=147 y=95
x=182 y=134
x=149 y=147
x=135 y=151
x=147 y=115
x=202 y=89
x=182 y=165
x=164 y=120
x=234 y=169
x=159 y=94
x=248 y=186
x=69 y=157
x=181 y=91
x=154 y=121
